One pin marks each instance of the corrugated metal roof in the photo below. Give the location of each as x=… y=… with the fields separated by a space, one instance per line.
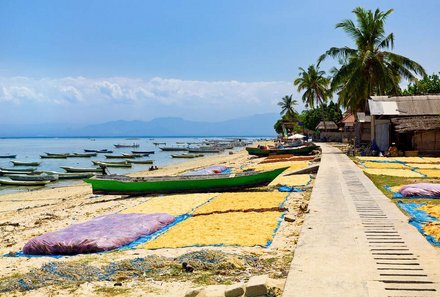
x=406 y=105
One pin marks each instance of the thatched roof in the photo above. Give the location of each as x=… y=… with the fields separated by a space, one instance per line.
x=405 y=105
x=330 y=125
x=419 y=123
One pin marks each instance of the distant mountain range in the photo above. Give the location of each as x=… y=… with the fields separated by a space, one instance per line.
x=256 y=125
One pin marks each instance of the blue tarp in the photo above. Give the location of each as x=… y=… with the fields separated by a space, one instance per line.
x=419 y=218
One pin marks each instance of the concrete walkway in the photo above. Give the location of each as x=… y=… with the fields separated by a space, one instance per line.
x=356 y=242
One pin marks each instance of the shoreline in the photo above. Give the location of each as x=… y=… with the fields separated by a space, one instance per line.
x=25 y=215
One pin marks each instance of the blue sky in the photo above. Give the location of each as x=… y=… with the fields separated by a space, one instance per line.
x=93 y=61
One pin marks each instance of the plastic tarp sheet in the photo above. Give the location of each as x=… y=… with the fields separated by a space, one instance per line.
x=100 y=234
x=427 y=190
x=419 y=218
x=215 y=169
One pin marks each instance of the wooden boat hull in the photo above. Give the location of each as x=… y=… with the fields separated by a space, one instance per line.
x=109 y=185
x=124 y=146
x=23 y=183
x=174 y=149
x=64 y=175
x=18 y=170
x=140 y=161
x=114 y=164
x=187 y=156
x=143 y=152
x=78 y=169
x=85 y=155
x=98 y=151
x=18 y=163
x=8 y=156
x=44 y=177
x=299 y=151
x=116 y=157
x=53 y=157
x=204 y=151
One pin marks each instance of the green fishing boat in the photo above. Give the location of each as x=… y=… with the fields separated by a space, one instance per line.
x=124 y=185
x=299 y=150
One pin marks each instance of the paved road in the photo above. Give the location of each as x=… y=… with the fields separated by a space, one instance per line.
x=356 y=242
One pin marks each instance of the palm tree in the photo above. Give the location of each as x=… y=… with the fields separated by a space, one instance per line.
x=287 y=105
x=315 y=85
x=368 y=69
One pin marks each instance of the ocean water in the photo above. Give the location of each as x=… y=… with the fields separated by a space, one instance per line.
x=30 y=149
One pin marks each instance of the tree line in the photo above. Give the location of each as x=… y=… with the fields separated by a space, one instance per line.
x=368 y=68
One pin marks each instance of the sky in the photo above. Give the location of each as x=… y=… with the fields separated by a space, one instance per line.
x=93 y=61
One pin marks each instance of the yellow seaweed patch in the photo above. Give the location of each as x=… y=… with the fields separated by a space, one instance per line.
x=392 y=172
x=242 y=229
x=293 y=165
x=291 y=180
x=396 y=188
x=433 y=229
x=242 y=201
x=432 y=210
x=426 y=166
x=430 y=172
x=385 y=165
x=431 y=159
x=174 y=204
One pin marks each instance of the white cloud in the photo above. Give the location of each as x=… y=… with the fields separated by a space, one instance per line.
x=136 y=98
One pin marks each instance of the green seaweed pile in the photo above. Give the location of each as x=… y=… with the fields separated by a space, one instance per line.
x=210 y=267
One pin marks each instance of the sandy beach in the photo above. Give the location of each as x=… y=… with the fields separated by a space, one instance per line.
x=25 y=215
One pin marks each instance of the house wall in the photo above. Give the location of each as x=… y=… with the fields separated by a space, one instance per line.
x=427 y=142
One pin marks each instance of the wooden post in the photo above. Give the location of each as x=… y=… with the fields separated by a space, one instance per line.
x=373 y=128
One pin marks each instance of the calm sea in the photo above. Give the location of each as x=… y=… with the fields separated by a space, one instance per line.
x=30 y=149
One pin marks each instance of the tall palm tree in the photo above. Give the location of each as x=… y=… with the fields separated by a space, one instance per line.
x=369 y=69
x=315 y=85
x=287 y=105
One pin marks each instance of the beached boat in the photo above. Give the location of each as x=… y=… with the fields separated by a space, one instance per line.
x=64 y=175
x=124 y=185
x=8 y=156
x=20 y=163
x=143 y=152
x=82 y=155
x=81 y=169
x=41 y=177
x=9 y=182
x=140 y=161
x=126 y=145
x=113 y=164
x=173 y=149
x=104 y=151
x=300 y=150
x=187 y=156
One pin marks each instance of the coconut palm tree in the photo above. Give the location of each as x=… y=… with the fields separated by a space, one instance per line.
x=287 y=105
x=368 y=68
x=315 y=85
x=288 y=111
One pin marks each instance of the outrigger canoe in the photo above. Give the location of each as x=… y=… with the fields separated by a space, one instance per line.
x=135 y=186
x=140 y=161
x=80 y=169
x=9 y=182
x=113 y=164
x=8 y=156
x=300 y=150
x=20 y=163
